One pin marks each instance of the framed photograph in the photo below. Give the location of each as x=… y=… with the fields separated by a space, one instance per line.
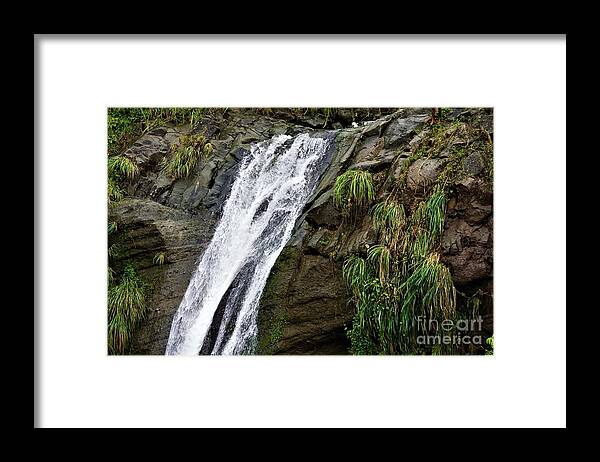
x=300 y=231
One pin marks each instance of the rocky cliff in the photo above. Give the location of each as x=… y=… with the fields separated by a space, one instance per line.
x=304 y=308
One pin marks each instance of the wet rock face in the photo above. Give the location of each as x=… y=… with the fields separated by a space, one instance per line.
x=146 y=228
x=307 y=303
x=304 y=307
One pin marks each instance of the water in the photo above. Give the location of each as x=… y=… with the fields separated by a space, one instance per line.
x=272 y=186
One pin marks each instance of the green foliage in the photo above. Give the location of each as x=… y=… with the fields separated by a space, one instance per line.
x=490 y=343
x=453 y=168
x=401 y=285
x=444 y=112
x=379 y=257
x=436 y=211
x=355 y=272
x=110 y=276
x=400 y=288
x=419 y=247
x=112 y=227
x=185 y=154
x=429 y=290
x=389 y=218
x=207 y=150
x=361 y=342
x=122 y=166
x=126 y=308
x=353 y=190
x=125 y=125
x=159 y=259
x=325 y=241
x=115 y=192
x=114 y=250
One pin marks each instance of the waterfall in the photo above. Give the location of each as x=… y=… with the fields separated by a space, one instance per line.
x=218 y=313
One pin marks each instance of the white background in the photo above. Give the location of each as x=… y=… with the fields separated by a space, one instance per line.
x=522 y=385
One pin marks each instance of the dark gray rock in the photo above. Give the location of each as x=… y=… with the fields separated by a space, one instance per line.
x=151 y=228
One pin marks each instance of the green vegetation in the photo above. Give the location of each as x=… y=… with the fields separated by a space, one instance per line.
x=389 y=218
x=395 y=286
x=121 y=166
x=114 y=250
x=490 y=344
x=185 y=154
x=159 y=259
x=112 y=227
x=126 y=308
x=435 y=209
x=355 y=272
x=125 y=125
x=328 y=114
x=399 y=286
x=353 y=191
x=115 y=192
x=324 y=241
x=361 y=344
x=379 y=257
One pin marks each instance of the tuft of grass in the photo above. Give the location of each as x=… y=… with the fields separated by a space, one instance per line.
x=353 y=190
x=389 y=218
x=410 y=285
x=112 y=227
x=355 y=271
x=185 y=154
x=420 y=247
x=429 y=290
x=115 y=192
x=126 y=308
x=114 y=250
x=436 y=211
x=125 y=125
x=379 y=257
x=207 y=150
x=490 y=346
x=110 y=276
x=159 y=259
x=122 y=166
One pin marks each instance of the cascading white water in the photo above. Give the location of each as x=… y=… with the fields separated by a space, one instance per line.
x=272 y=186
